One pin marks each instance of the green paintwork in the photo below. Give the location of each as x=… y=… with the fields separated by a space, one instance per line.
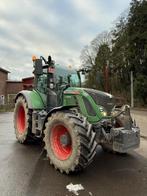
x=77 y=99
x=38 y=100
x=34 y=99
x=70 y=99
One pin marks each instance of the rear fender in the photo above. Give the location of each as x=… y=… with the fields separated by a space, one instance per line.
x=32 y=98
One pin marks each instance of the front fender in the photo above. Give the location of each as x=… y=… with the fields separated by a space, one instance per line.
x=32 y=98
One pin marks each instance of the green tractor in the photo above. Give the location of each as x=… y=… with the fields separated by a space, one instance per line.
x=70 y=119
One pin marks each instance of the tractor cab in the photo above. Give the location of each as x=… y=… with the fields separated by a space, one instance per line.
x=51 y=80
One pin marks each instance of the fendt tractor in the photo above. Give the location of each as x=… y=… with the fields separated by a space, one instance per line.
x=71 y=120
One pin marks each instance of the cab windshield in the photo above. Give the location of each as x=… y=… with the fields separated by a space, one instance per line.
x=75 y=80
x=67 y=76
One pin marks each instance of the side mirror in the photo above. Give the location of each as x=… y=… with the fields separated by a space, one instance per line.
x=68 y=78
x=60 y=79
x=83 y=72
x=38 y=67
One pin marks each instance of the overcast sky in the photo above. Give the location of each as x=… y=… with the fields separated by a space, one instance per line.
x=57 y=27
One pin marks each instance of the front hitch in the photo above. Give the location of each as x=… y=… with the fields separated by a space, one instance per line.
x=119 y=131
x=124 y=140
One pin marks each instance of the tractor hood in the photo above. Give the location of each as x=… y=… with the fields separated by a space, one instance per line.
x=102 y=98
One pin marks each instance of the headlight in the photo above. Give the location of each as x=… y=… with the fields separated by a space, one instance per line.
x=103 y=111
x=51 y=85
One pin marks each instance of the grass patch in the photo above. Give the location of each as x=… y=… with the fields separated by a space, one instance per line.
x=7 y=108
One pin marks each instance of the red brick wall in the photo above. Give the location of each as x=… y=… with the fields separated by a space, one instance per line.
x=13 y=87
x=3 y=78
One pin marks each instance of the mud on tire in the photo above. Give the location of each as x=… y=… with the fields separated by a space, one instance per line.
x=81 y=147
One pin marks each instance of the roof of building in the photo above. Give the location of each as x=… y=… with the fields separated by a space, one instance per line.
x=4 y=70
x=28 y=78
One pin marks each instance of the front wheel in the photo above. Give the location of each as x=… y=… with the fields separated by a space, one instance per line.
x=69 y=141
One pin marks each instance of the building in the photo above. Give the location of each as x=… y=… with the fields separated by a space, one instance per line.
x=12 y=88
x=3 y=85
x=28 y=83
x=8 y=88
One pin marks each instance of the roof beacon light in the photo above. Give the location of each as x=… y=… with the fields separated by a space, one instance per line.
x=34 y=58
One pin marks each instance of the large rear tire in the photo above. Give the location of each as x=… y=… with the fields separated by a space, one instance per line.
x=22 y=120
x=69 y=141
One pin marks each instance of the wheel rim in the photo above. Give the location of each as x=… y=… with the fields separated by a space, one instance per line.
x=20 y=121
x=62 y=151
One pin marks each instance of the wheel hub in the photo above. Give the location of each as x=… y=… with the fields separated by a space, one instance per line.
x=65 y=140
x=21 y=120
x=61 y=142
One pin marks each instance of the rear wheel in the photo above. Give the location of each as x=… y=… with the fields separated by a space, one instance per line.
x=22 y=120
x=69 y=141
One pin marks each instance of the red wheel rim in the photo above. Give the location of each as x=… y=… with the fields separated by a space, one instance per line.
x=20 y=121
x=61 y=151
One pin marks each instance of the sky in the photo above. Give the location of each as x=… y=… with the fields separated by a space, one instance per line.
x=55 y=27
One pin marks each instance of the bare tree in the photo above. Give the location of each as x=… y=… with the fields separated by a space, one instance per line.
x=89 y=52
x=102 y=38
x=87 y=56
